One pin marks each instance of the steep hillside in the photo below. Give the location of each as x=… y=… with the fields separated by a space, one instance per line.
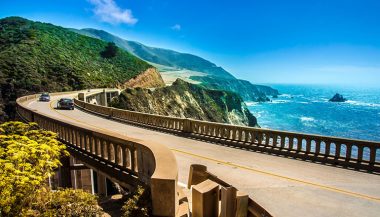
x=183 y=99
x=194 y=69
x=37 y=57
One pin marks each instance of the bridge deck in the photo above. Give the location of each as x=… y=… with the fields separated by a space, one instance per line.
x=285 y=187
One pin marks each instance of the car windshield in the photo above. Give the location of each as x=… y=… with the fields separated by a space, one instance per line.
x=66 y=100
x=45 y=94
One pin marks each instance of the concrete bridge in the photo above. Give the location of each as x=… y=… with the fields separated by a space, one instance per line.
x=289 y=174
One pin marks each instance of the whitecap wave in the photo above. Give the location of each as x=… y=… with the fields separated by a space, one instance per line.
x=286 y=95
x=359 y=103
x=307 y=119
x=249 y=103
x=279 y=101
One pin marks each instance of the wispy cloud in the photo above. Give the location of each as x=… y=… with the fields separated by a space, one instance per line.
x=108 y=11
x=176 y=27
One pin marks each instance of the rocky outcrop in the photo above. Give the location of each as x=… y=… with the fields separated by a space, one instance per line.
x=187 y=100
x=151 y=78
x=338 y=98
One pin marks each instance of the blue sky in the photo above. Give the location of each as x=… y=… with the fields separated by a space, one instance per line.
x=264 y=41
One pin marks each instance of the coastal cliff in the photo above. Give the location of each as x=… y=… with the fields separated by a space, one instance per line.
x=150 y=78
x=187 y=100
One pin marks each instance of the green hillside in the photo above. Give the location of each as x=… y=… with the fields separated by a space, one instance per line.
x=37 y=57
x=161 y=56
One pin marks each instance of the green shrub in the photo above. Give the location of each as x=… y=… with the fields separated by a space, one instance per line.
x=138 y=204
x=64 y=202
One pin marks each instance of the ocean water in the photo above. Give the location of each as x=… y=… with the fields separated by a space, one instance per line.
x=306 y=109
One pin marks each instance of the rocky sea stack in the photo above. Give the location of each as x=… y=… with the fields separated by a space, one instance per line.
x=338 y=98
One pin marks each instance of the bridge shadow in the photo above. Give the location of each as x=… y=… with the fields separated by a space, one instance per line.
x=252 y=147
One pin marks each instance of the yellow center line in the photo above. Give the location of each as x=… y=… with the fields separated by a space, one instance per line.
x=281 y=176
x=358 y=195
x=74 y=119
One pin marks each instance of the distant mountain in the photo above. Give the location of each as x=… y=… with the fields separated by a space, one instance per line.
x=160 y=56
x=248 y=91
x=37 y=57
x=181 y=65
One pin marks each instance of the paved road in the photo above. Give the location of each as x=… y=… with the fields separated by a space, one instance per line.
x=285 y=187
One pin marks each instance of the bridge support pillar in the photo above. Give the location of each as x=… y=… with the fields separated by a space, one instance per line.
x=164 y=197
x=102 y=185
x=103 y=98
x=82 y=97
x=65 y=173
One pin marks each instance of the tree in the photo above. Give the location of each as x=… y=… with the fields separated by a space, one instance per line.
x=28 y=156
x=109 y=51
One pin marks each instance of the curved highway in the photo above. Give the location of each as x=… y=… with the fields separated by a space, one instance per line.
x=283 y=186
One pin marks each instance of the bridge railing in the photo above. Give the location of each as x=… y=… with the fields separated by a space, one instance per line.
x=358 y=154
x=127 y=161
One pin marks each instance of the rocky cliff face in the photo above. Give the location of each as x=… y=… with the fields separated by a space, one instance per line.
x=150 y=78
x=187 y=100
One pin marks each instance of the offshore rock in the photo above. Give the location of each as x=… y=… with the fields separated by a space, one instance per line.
x=338 y=98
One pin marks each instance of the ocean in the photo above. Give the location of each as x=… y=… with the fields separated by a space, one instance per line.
x=306 y=109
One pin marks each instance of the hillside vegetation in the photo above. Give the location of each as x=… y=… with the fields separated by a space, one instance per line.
x=37 y=57
x=187 y=100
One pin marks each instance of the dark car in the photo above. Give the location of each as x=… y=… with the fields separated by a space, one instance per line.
x=45 y=97
x=65 y=103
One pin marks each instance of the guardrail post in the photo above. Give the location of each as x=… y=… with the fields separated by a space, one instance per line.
x=197 y=174
x=228 y=202
x=205 y=199
x=187 y=126
x=241 y=204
